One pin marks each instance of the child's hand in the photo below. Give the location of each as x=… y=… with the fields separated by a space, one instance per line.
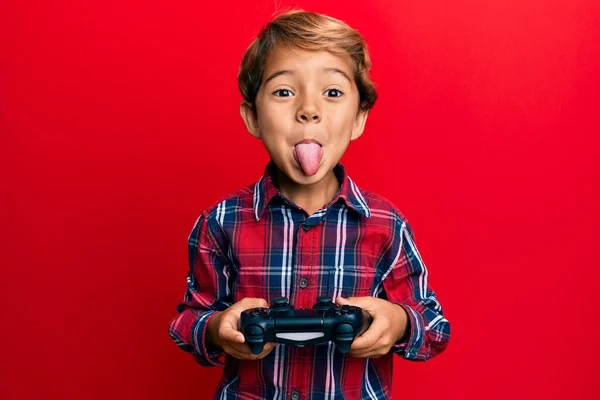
x=389 y=324
x=223 y=330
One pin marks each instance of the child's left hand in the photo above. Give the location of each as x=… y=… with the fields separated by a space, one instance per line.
x=390 y=322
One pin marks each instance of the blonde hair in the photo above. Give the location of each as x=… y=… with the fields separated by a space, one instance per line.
x=307 y=31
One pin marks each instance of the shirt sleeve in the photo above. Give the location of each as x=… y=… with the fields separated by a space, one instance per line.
x=405 y=284
x=208 y=290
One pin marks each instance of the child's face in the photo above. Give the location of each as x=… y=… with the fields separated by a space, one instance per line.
x=306 y=95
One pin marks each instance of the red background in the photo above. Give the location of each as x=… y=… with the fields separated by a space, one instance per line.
x=119 y=123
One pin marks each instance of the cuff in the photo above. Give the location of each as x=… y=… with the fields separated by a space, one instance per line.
x=411 y=348
x=204 y=356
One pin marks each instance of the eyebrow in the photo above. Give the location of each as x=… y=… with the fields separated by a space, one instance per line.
x=337 y=70
x=292 y=72
x=277 y=73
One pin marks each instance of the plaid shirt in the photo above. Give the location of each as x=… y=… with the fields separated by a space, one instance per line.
x=257 y=243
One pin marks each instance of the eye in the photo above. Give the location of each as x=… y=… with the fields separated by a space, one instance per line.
x=336 y=92
x=283 y=93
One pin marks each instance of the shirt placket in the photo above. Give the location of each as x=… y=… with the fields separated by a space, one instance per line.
x=306 y=288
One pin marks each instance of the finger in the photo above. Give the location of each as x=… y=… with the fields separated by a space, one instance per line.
x=375 y=353
x=246 y=354
x=235 y=353
x=371 y=336
x=271 y=345
x=268 y=348
x=262 y=303
x=365 y=302
x=244 y=348
x=355 y=353
x=342 y=300
x=359 y=353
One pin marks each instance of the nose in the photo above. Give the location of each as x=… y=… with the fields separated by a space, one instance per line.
x=308 y=112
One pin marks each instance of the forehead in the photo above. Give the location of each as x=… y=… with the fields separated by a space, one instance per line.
x=308 y=60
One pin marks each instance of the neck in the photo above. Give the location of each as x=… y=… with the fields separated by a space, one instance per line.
x=309 y=197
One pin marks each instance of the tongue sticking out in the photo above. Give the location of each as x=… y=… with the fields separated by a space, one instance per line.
x=308 y=156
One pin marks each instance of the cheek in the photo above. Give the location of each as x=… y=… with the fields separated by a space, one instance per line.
x=272 y=119
x=339 y=126
x=276 y=127
x=339 y=118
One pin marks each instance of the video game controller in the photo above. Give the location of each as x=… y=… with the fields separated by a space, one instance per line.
x=281 y=323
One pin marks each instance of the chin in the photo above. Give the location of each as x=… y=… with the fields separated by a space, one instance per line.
x=321 y=173
x=294 y=172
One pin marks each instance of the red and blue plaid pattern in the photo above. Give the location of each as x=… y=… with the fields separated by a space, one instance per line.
x=257 y=243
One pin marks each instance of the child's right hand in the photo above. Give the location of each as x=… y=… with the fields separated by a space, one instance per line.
x=223 y=330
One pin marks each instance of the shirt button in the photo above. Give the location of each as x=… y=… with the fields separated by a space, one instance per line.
x=295 y=395
x=303 y=283
x=306 y=227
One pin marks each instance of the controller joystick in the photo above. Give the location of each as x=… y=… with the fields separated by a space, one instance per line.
x=281 y=304
x=324 y=303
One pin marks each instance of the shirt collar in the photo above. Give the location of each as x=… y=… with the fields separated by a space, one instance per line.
x=265 y=189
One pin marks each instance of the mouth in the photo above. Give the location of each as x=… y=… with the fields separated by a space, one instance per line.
x=307 y=141
x=308 y=155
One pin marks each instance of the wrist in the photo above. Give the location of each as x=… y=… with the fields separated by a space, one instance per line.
x=405 y=330
x=212 y=329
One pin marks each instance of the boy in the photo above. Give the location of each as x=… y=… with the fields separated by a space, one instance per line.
x=305 y=230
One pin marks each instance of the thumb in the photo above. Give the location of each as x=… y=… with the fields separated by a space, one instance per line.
x=229 y=329
x=261 y=303
x=251 y=302
x=354 y=301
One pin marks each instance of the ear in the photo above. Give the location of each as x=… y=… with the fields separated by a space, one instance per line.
x=250 y=119
x=359 y=124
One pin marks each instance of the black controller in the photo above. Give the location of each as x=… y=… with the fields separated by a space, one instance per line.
x=303 y=327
